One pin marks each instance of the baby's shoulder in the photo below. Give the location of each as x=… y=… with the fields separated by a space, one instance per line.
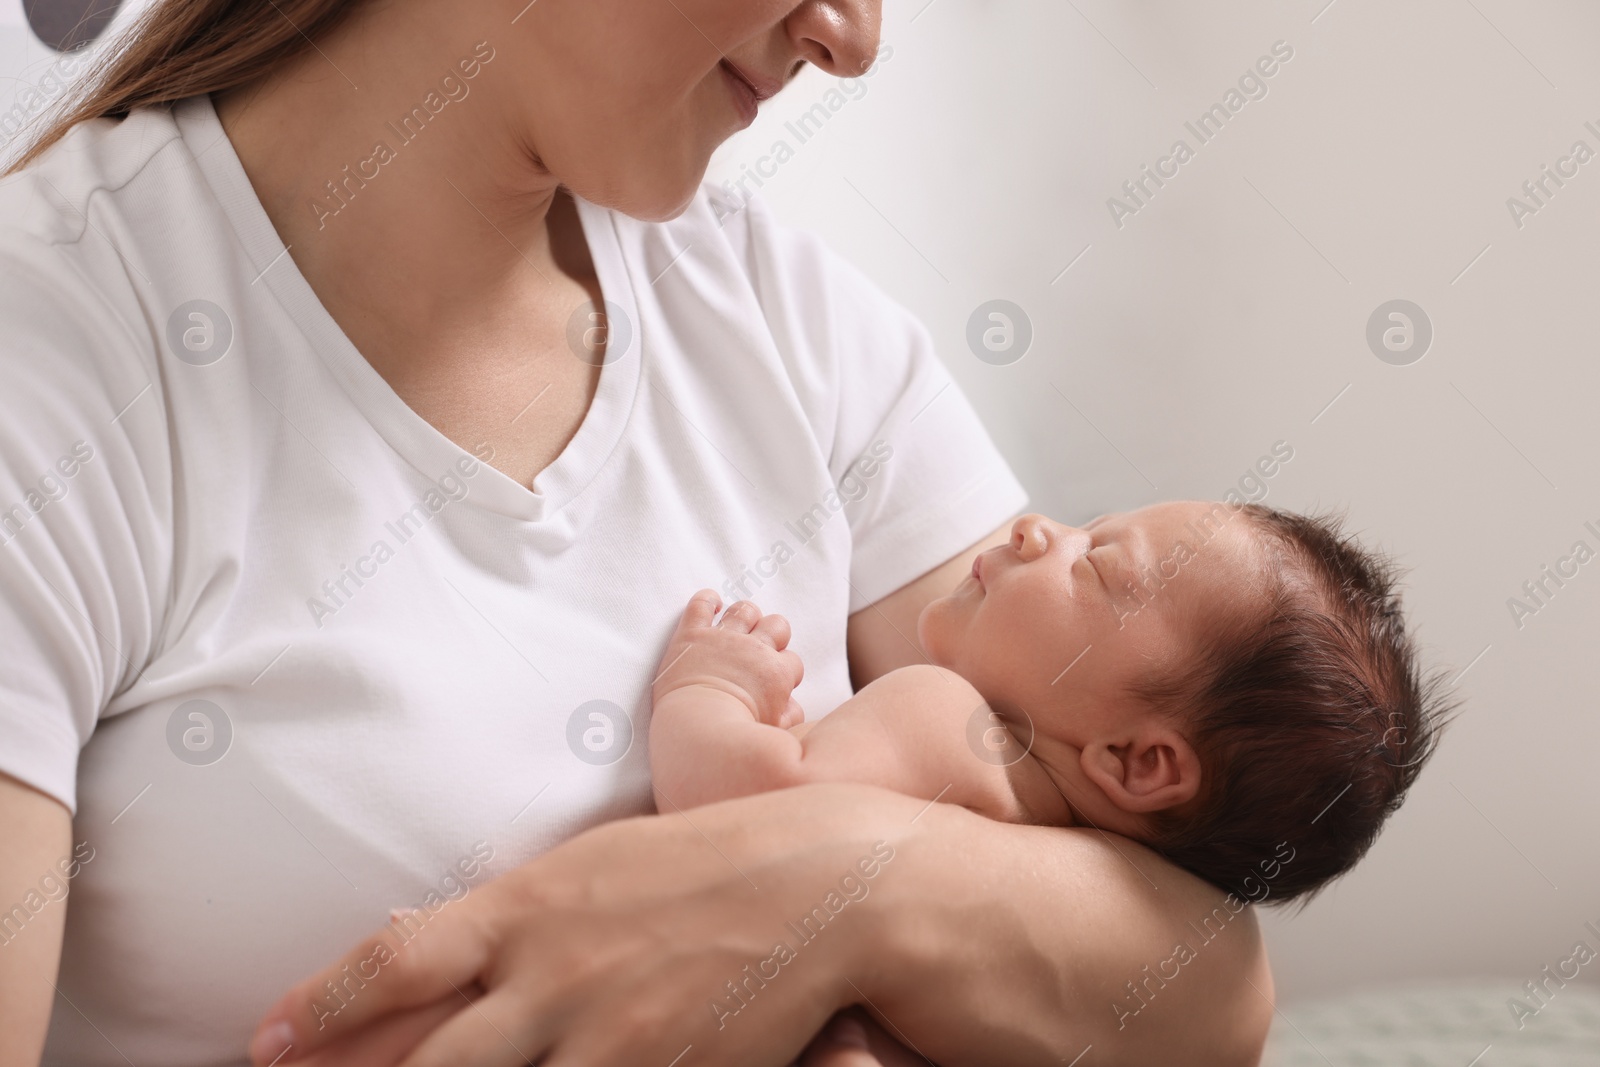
x=931 y=685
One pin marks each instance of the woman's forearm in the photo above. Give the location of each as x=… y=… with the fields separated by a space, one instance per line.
x=999 y=944
x=740 y=930
x=1003 y=944
x=35 y=867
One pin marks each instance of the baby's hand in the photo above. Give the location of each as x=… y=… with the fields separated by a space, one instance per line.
x=746 y=656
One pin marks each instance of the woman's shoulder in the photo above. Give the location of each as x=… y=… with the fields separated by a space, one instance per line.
x=70 y=241
x=71 y=344
x=54 y=197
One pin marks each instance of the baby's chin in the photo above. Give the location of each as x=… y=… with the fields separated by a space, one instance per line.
x=939 y=629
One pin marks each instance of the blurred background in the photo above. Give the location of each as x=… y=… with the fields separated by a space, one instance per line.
x=1345 y=259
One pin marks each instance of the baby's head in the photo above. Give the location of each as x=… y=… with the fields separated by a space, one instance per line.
x=1230 y=684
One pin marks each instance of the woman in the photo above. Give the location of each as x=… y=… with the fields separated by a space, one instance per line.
x=372 y=410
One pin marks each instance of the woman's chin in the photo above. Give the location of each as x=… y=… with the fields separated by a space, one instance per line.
x=668 y=194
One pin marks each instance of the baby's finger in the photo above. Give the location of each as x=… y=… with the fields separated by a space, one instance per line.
x=741 y=617
x=703 y=607
x=775 y=629
x=796 y=665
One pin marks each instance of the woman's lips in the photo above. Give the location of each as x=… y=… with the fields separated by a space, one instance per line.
x=745 y=96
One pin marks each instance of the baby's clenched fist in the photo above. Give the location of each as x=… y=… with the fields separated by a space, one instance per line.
x=745 y=655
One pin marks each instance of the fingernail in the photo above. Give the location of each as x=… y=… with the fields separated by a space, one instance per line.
x=271 y=1043
x=848 y=1032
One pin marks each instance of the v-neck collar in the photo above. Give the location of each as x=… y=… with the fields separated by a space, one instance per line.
x=408 y=433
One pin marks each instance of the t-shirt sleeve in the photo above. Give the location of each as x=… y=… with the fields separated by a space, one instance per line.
x=82 y=541
x=921 y=478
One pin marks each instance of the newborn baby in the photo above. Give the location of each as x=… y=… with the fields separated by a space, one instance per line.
x=1230 y=684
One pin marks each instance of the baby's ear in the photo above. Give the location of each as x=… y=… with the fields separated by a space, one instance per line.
x=1152 y=770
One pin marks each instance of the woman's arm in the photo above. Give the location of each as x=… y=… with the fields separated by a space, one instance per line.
x=979 y=943
x=883 y=636
x=1029 y=945
x=33 y=911
x=735 y=936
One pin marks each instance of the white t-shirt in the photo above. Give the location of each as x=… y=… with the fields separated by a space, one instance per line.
x=294 y=658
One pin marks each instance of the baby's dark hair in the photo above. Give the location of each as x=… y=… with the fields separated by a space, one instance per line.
x=1311 y=719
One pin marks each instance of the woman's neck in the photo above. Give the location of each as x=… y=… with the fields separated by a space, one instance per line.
x=424 y=222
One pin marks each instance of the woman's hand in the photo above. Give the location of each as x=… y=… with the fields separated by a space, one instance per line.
x=656 y=940
x=630 y=944
x=852 y=1039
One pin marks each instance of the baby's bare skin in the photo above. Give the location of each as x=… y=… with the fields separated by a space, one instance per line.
x=1022 y=715
x=1025 y=713
x=724 y=724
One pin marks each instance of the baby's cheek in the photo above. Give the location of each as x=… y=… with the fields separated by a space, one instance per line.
x=933 y=631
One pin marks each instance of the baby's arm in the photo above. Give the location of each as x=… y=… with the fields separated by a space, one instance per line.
x=718 y=729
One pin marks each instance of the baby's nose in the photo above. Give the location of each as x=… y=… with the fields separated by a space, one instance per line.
x=1034 y=535
x=1030 y=537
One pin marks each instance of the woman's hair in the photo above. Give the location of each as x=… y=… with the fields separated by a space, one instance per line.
x=1311 y=720
x=181 y=48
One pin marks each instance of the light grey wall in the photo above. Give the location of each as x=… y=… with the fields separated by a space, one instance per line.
x=1228 y=314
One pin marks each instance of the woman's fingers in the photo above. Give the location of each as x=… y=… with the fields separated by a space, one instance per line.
x=605 y=949
x=402 y=967
x=491 y=1032
x=388 y=1041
